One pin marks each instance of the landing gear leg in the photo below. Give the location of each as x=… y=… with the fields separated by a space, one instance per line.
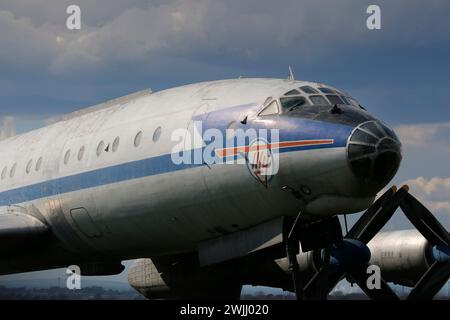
x=312 y=236
x=292 y=249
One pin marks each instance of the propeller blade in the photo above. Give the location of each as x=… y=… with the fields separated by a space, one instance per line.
x=431 y=282
x=370 y=223
x=425 y=221
x=374 y=219
x=383 y=293
x=336 y=260
x=322 y=283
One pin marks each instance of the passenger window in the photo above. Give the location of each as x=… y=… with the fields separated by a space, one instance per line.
x=29 y=166
x=335 y=99
x=116 y=143
x=67 y=157
x=81 y=153
x=270 y=109
x=290 y=104
x=13 y=170
x=157 y=134
x=38 y=164
x=137 y=139
x=319 y=101
x=100 y=148
x=5 y=169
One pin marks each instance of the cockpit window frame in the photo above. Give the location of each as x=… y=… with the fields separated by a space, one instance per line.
x=326 y=90
x=267 y=107
x=293 y=92
x=328 y=96
x=327 y=103
x=285 y=110
x=353 y=101
x=338 y=97
x=311 y=90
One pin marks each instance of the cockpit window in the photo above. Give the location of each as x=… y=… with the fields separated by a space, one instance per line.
x=345 y=100
x=292 y=103
x=292 y=93
x=308 y=89
x=335 y=99
x=327 y=90
x=353 y=101
x=319 y=101
x=270 y=109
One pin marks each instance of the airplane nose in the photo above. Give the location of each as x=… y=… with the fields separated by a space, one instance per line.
x=374 y=153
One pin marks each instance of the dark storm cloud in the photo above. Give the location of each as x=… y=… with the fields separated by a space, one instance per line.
x=127 y=46
x=254 y=30
x=194 y=30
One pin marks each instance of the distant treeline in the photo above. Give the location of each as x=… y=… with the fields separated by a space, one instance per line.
x=57 y=293
x=99 y=293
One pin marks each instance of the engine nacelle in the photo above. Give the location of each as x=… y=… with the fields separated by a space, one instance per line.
x=403 y=256
x=181 y=277
x=146 y=279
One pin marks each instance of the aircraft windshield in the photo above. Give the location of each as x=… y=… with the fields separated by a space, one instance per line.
x=335 y=99
x=292 y=103
x=315 y=96
x=308 y=89
x=327 y=90
x=353 y=101
x=318 y=100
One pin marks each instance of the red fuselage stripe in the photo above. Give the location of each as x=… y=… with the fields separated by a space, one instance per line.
x=280 y=145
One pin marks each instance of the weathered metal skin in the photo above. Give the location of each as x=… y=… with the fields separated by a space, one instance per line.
x=106 y=191
x=403 y=256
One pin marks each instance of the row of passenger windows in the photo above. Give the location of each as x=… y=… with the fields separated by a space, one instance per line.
x=30 y=166
x=100 y=149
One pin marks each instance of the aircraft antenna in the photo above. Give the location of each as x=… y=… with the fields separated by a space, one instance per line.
x=291 y=74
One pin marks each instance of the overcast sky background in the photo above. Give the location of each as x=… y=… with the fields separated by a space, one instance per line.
x=401 y=73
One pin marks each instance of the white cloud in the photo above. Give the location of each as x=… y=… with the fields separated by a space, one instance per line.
x=22 y=43
x=10 y=126
x=425 y=135
x=434 y=192
x=145 y=33
x=7 y=127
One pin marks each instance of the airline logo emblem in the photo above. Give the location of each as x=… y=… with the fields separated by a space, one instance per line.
x=261 y=162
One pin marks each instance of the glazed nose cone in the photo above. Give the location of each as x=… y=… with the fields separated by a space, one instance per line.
x=374 y=153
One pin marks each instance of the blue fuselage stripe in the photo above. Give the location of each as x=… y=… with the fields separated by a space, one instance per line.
x=104 y=176
x=293 y=130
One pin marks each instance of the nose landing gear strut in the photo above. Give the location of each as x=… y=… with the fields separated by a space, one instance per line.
x=341 y=255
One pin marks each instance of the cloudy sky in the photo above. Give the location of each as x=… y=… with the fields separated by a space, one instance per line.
x=401 y=73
